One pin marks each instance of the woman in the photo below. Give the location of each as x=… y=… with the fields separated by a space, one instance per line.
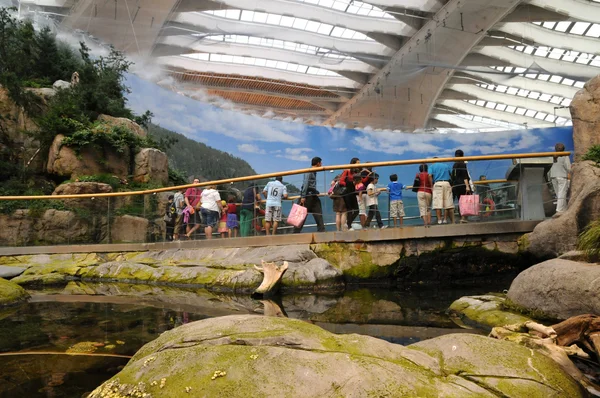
x=461 y=181
x=350 y=199
x=559 y=175
x=211 y=209
x=339 y=206
x=424 y=194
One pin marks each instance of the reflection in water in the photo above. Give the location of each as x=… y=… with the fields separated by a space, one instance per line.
x=98 y=320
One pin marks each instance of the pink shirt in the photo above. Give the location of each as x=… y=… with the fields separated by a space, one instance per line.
x=193 y=195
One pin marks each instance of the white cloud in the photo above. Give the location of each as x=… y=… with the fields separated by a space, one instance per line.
x=297 y=154
x=340 y=149
x=250 y=148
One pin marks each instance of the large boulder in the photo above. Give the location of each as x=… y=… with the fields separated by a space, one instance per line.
x=123 y=121
x=556 y=236
x=484 y=312
x=11 y=293
x=126 y=229
x=247 y=356
x=79 y=188
x=151 y=165
x=17 y=228
x=559 y=288
x=65 y=161
x=585 y=112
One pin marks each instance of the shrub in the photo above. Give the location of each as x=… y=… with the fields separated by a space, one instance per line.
x=593 y=154
x=589 y=241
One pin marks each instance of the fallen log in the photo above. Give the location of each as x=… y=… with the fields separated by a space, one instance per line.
x=577 y=336
x=273 y=274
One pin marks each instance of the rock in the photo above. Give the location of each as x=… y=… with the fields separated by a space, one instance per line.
x=317 y=271
x=244 y=355
x=79 y=188
x=11 y=293
x=484 y=312
x=10 y=272
x=123 y=121
x=17 y=228
x=558 y=288
x=585 y=112
x=129 y=229
x=64 y=161
x=61 y=85
x=556 y=236
x=151 y=166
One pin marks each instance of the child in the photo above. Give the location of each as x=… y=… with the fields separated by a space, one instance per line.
x=360 y=192
x=232 y=219
x=223 y=220
x=396 y=205
x=373 y=203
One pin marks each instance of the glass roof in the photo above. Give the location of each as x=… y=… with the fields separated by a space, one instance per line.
x=560 y=54
x=351 y=7
x=541 y=76
x=282 y=44
x=290 y=22
x=267 y=63
x=576 y=28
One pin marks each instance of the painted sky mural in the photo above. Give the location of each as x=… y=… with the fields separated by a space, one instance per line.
x=279 y=145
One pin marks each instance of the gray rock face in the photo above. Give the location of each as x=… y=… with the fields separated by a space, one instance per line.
x=61 y=85
x=10 y=272
x=560 y=288
x=252 y=356
x=129 y=229
x=64 y=161
x=151 y=165
x=556 y=236
x=77 y=188
x=585 y=111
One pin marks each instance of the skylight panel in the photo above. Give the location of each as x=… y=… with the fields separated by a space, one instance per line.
x=510 y=109
x=351 y=7
x=562 y=26
x=286 y=21
x=579 y=28
x=549 y=25
x=593 y=31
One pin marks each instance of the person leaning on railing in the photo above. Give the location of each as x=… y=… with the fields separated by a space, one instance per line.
x=309 y=197
x=350 y=197
x=424 y=194
x=251 y=197
x=559 y=175
x=442 y=192
x=461 y=181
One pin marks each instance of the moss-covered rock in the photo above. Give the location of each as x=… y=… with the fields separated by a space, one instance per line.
x=246 y=356
x=485 y=312
x=11 y=293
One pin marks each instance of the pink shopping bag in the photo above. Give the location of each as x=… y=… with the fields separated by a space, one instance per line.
x=297 y=215
x=469 y=205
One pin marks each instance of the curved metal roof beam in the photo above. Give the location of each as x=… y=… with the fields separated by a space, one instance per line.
x=571 y=70
x=187 y=23
x=258 y=71
x=325 y=15
x=470 y=109
x=578 y=9
x=419 y=5
x=551 y=38
x=187 y=45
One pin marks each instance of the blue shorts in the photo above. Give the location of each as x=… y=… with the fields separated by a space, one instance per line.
x=211 y=217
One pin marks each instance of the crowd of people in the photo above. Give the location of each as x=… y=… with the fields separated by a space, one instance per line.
x=354 y=194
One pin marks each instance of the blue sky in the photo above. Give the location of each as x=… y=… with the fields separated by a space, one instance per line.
x=279 y=145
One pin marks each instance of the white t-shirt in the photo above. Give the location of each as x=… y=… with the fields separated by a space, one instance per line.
x=275 y=191
x=179 y=202
x=209 y=199
x=371 y=200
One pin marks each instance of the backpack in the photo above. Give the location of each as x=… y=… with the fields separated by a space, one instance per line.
x=171 y=212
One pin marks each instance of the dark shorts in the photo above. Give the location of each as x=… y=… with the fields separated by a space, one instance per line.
x=211 y=217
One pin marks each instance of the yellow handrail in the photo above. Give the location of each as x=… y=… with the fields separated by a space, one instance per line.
x=293 y=172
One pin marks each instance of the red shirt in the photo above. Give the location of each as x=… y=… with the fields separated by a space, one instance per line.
x=193 y=195
x=425 y=184
x=231 y=208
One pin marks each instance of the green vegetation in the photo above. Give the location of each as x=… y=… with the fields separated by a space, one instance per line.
x=589 y=241
x=593 y=154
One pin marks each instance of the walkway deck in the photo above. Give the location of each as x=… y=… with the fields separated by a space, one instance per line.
x=374 y=235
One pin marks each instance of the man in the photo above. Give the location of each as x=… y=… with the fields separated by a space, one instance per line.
x=442 y=192
x=251 y=197
x=179 y=201
x=192 y=200
x=309 y=197
x=274 y=192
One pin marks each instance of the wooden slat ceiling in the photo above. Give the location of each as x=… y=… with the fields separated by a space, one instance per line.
x=253 y=83
x=268 y=101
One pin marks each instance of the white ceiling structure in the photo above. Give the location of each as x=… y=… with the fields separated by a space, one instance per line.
x=388 y=64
